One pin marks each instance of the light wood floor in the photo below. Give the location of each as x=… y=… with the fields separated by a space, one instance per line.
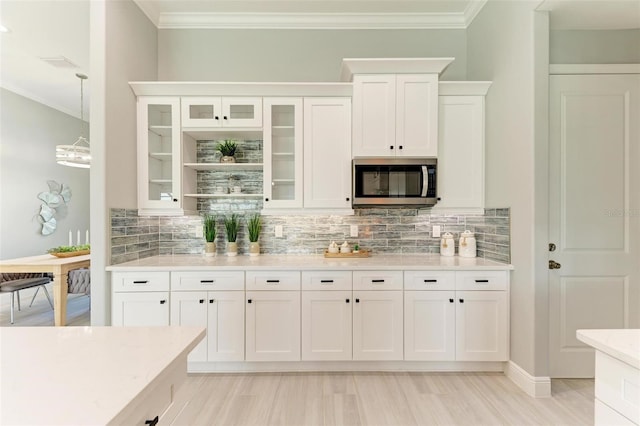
x=299 y=399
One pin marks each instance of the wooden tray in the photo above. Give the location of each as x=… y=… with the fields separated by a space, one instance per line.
x=352 y=255
x=71 y=253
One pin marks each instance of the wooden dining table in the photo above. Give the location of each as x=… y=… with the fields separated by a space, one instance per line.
x=59 y=267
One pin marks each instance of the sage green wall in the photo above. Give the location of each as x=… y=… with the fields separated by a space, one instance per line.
x=296 y=55
x=594 y=46
x=29 y=132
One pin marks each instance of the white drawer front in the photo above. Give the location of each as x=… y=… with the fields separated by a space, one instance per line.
x=273 y=280
x=429 y=280
x=140 y=281
x=203 y=280
x=327 y=280
x=618 y=386
x=377 y=280
x=482 y=280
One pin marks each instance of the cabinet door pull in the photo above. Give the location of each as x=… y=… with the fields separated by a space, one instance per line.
x=400 y=147
x=273 y=281
x=216 y=117
x=450 y=300
x=357 y=300
x=461 y=300
x=266 y=199
x=482 y=281
x=430 y=281
x=207 y=281
x=347 y=300
x=175 y=200
x=391 y=147
x=326 y=281
x=162 y=302
x=249 y=301
x=212 y=300
x=201 y=300
x=224 y=117
x=152 y=422
x=140 y=282
x=377 y=281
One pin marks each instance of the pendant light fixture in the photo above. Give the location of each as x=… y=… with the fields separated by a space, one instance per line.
x=78 y=154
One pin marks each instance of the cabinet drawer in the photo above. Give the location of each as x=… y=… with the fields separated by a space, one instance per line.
x=482 y=280
x=377 y=280
x=327 y=280
x=207 y=280
x=618 y=386
x=140 y=281
x=273 y=280
x=429 y=280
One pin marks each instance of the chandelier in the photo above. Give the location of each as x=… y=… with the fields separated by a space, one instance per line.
x=78 y=154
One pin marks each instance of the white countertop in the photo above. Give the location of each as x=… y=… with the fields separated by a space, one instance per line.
x=82 y=375
x=309 y=262
x=622 y=344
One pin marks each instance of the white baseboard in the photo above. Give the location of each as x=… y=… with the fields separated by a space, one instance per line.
x=537 y=387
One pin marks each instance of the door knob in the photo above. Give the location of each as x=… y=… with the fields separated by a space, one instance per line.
x=554 y=265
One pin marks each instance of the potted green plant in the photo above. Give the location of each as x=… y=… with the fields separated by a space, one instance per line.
x=254 y=226
x=210 y=233
x=228 y=149
x=231 y=225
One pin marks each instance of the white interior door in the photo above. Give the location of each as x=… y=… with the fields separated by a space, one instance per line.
x=594 y=212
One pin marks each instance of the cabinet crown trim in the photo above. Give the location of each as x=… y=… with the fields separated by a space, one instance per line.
x=351 y=66
x=238 y=89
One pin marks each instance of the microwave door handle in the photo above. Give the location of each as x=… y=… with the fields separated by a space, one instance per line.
x=425 y=181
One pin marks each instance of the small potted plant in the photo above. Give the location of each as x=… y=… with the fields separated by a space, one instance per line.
x=254 y=226
x=231 y=225
x=228 y=149
x=210 y=233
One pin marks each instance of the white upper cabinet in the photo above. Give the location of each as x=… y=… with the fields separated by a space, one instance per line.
x=159 y=156
x=395 y=115
x=327 y=153
x=282 y=153
x=461 y=147
x=211 y=112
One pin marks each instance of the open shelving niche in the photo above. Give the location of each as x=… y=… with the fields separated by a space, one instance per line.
x=191 y=166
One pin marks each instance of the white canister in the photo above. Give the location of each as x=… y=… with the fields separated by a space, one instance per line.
x=467 y=245
x=447 y=246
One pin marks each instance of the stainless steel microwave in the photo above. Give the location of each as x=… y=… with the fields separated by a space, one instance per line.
x=394 y=181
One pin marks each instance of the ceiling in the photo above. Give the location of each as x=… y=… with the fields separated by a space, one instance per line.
x=60 y=28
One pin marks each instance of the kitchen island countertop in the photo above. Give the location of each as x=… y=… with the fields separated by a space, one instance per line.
x=621 y=344
x=309 y=262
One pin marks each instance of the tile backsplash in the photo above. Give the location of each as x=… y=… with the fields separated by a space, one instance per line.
x=382 y=230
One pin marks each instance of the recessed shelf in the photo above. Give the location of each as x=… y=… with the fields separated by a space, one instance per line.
x=164 y=156
x=223 y=195
x=161 y=181
x=283 y=181
x=283 y=154
x=218 y=133
x=225 y=166
x=161 y=130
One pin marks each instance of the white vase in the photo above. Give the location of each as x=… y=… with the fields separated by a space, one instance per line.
x=232 y=248
x=210 y=249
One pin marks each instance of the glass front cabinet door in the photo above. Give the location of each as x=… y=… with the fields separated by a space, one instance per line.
x=159 y=161
x=282 y=153
x=212 y=112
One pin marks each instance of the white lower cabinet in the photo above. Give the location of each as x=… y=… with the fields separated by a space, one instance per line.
x=326 y=316
x=272 y=316
x=377 y=316
x=222 y=313
x=140 y=299
x=470 y=323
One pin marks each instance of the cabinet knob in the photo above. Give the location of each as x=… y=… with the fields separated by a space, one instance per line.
x=450 y=300
x=438 y=198
x=347 y=198
x=347 y=300
x=216 y=117
x=212 y=300
x=224 y=117
x=461 y=300
x=266 y=199
x=152 y=422
x=357 y=300
x=175 y=200
x=391 y=147
x=400 y=147
x=162 y=302
x=201 y=300
x=249 y=301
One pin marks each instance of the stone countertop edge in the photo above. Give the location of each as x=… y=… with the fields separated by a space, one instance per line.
x=621 y=344
x=309 y=263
